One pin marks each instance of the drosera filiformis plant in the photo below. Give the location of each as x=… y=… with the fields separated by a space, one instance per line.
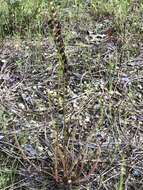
x=71 y=100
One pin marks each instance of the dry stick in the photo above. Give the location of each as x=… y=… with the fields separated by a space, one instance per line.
x=23 y=155
x=22 y=152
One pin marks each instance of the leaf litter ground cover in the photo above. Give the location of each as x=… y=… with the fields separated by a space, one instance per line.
x=104 y=109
